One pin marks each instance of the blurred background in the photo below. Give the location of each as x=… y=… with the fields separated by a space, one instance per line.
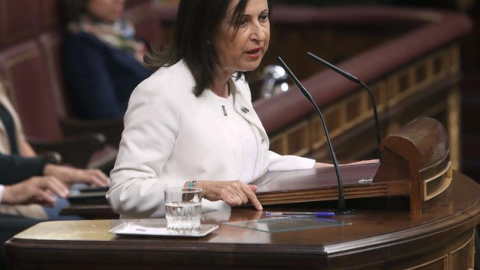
x=470 y=66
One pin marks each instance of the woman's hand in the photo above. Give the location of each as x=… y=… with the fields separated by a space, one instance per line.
x=70 y=176
x=232 y=192
x=35 y=190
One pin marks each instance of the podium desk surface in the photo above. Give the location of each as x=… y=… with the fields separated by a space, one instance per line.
x=377 y=238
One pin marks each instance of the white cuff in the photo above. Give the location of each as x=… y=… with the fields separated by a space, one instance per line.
x=1 y=192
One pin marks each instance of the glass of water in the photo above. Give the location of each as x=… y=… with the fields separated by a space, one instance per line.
x=183 y=207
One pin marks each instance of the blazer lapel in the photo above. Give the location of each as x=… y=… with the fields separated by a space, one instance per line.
x=245 y=109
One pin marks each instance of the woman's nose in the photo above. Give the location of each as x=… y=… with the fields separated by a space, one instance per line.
x=258 y=32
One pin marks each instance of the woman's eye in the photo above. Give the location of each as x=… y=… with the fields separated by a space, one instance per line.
x=242 y=23
x=263 y=17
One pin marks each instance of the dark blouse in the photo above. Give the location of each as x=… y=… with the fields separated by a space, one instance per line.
x=100 y=78
x=15 y=168
x=9 y=125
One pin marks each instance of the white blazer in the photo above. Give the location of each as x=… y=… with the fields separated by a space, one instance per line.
x=171 y=137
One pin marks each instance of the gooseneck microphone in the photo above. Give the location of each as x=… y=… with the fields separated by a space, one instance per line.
x=342 y=209
x=357 y=81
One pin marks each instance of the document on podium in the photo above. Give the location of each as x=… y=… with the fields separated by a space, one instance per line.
x=279 y=187
x=285 y=224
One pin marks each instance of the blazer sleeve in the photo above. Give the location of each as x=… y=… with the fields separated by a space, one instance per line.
x=277 y=162
x=15 y=168
x=138 y=183
x=88 y=78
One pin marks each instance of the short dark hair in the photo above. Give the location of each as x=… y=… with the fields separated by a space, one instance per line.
x=198 y=21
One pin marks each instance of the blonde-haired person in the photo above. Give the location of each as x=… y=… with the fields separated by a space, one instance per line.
x=102 y=57
x=18 y=161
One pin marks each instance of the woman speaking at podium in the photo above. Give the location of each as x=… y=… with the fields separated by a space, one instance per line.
x=192 y=122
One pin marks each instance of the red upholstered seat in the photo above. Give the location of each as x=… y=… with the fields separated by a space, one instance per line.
x=146 y=19
x=30 y=63
x=29 y=84
x=51 y=43
x=25 y=70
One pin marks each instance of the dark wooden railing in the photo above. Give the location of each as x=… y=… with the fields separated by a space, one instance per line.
x=412 y=74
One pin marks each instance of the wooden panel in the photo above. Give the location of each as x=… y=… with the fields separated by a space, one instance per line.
x=382 y=236
x=50 y=12
x=132 y=3
x=334 y=118
x=19 y=19
x=350 y=119
x=51 y=43
x=317 y=134
x=26 y=73
x=279 y=145
x=456 y=254
x=298 y=139
x=147 y=21
x=462 y=258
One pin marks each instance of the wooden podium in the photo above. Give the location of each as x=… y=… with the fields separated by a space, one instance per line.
x=413 y=213
x=381 y=236
x=415 y=164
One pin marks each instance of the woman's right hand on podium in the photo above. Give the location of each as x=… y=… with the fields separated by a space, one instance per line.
x=233 y=193
x=40 y=190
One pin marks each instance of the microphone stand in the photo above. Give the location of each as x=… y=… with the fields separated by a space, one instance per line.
x=357 y=81
x=342 y=209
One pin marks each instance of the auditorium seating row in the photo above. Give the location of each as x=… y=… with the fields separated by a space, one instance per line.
x=30 y=68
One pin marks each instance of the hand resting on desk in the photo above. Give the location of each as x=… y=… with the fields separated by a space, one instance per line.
x=234 y=193
x=39 y=190
x=70 y=176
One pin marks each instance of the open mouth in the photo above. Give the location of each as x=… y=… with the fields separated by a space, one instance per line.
x=254 y=51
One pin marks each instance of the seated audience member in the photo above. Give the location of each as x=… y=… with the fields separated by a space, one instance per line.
x=102 y=59
x=18 y=161
x=38 y=190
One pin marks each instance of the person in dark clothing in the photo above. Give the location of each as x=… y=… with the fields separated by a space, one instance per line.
x=102 y=59
x=9 y=226
x=18 y=161
x=37 y=190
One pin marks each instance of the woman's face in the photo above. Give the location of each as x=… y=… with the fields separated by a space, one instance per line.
x=245 y=50
x=106 y=10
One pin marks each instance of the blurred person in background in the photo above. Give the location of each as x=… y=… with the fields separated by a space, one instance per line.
x=102 y=58
x=18 y=161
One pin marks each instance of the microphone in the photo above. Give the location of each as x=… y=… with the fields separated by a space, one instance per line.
x=342 y=209
x=357 y=81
